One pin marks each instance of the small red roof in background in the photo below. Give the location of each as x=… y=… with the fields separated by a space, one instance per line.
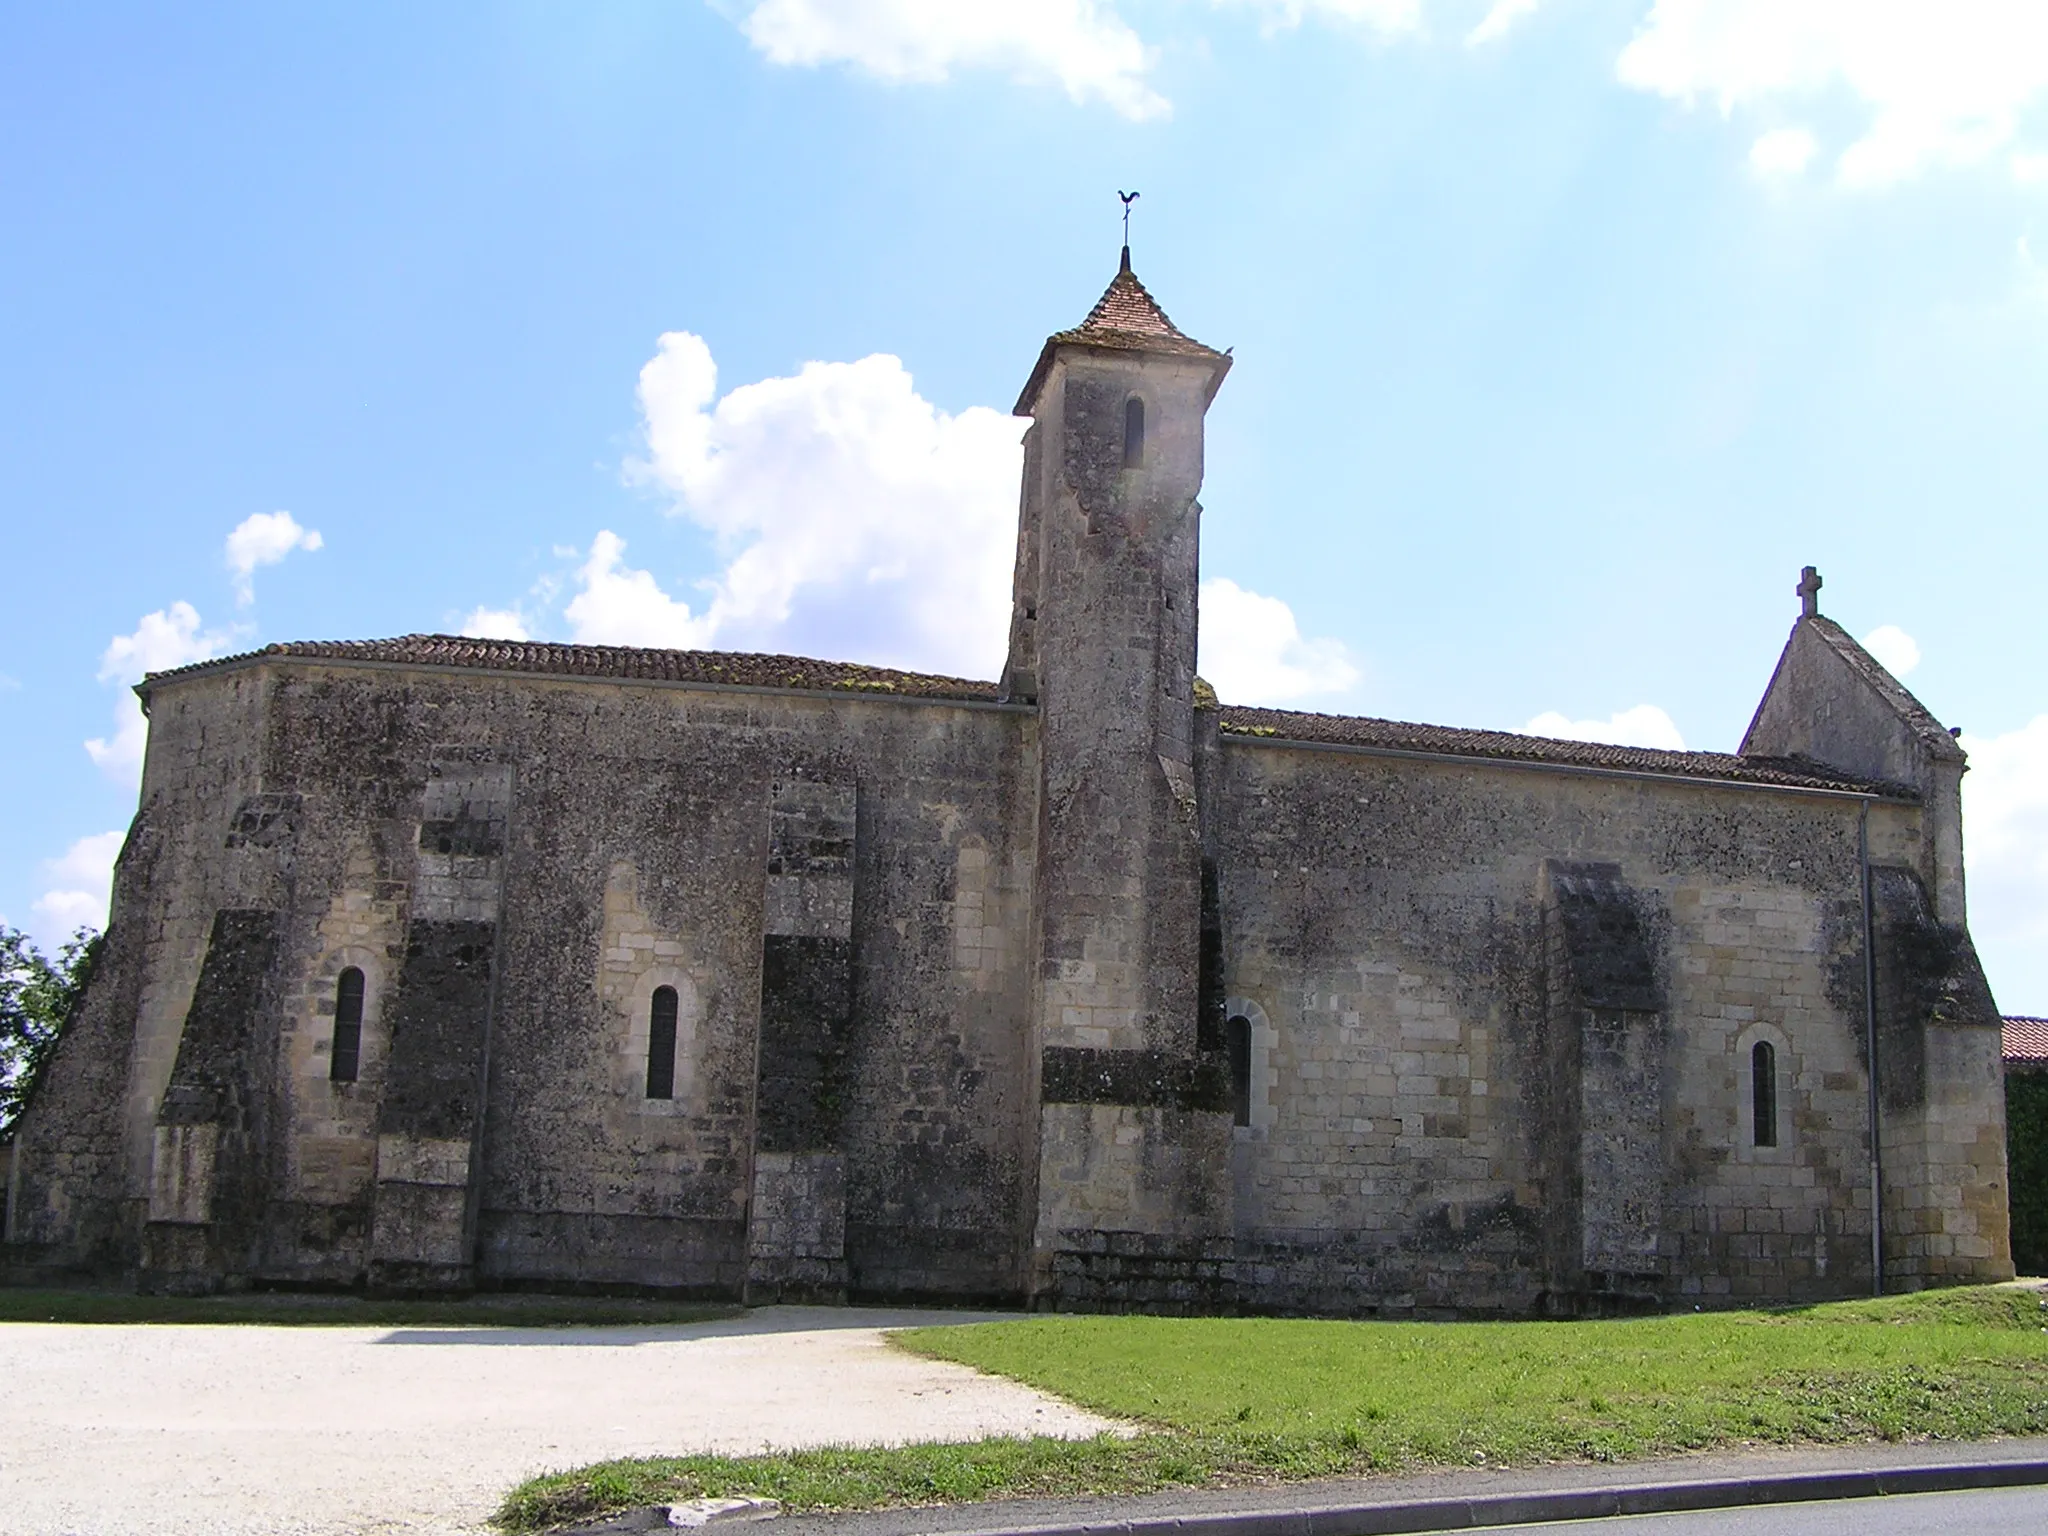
x=2026 y=1039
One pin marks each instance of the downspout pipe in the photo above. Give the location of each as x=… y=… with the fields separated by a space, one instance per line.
x=1870 y=1054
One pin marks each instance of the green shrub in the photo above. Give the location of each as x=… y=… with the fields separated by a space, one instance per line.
x=2026 y=1160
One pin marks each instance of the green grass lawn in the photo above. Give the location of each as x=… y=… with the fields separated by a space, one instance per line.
x=1219 y=1400
x=298 y=1309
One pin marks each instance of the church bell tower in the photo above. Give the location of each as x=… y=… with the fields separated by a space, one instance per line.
x=1133 y=1153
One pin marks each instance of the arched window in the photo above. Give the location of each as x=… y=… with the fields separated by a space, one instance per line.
x=661 y=1044
x=346 y=1055
x=1237 y=1036
x=1134 y=432
x=1763 y=1094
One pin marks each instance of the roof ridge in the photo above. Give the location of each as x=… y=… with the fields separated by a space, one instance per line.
x=1916 y=717
x=1517 y=746
x=747 y=669
x=564 y=658
x=1127 y=319
x=1127 y=306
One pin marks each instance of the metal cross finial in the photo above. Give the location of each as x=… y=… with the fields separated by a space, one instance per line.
x=1809 y=592
x=1129 y=198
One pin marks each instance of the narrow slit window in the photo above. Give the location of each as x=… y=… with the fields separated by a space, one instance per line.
x=1763 y=1094
x=1238 y=1037
x=345 y=1056
x=661 y=1044
x=1134 y=432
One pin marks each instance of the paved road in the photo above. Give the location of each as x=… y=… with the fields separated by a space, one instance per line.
x=1737 y=1464
x=1999 y=1512
x=236 y=1431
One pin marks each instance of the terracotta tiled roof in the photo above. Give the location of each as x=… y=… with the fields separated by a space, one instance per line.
x=1125 y=318
x=619 y=661
x=1126 y=306
x=1454 y=741
x=747 y=670
x=2025 y=1039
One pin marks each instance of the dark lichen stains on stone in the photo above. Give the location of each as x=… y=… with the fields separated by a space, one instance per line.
x=951 y=961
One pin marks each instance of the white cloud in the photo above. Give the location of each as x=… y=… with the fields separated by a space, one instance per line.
x=1644 y=726
x=1896 y=651
x=861 y=522
x=76 y=887
x=496 y=624
x=1499 y=21
x=1082 y=45
x=2005 y=840
x=1381 y=15
x=1782 y=152
x=263 y=538
x=1252 y=650
x=2033 y=276
x=1943 y=84
x=617 y=605
x=858 y=517
x=164 y=639
x=167 y=638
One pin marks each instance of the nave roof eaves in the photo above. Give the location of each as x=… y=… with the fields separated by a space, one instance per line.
x=738 y=669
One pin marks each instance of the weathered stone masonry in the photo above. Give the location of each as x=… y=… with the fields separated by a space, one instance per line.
x=767 y=978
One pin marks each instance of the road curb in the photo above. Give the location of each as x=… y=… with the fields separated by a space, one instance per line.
x=1479 y=1511
x=1462 y=1512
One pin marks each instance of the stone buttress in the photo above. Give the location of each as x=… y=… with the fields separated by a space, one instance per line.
x=796 y=1230
x=1606 y=1032
x=430 y=1122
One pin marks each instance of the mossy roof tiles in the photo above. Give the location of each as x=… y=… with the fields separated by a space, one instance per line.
x=748 y=670
x=1125 y=319
x=642 y=663
x=1512 y=746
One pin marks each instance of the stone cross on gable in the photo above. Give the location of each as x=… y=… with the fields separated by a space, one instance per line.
x=1809 y=592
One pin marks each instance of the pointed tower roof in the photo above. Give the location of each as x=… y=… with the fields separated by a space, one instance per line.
x=1125 y=319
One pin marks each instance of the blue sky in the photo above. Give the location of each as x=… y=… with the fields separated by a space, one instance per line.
x=1566 y=333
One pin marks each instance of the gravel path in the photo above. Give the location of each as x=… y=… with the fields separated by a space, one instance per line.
x=219 y=1431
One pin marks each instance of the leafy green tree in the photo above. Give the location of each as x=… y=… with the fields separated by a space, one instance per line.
x=38 y=995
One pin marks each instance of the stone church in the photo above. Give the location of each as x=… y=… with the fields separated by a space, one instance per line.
x=439 y=964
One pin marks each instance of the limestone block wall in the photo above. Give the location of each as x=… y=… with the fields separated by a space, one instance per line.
x=1947 y=1214
x=600 y=841
x=1780 y=965
x=1939 y=1068
x=85 y=1146
x=1408 y=1152
x=635 y=857
x=1451 y=1106
x=320 y=1220
x=372 y=889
